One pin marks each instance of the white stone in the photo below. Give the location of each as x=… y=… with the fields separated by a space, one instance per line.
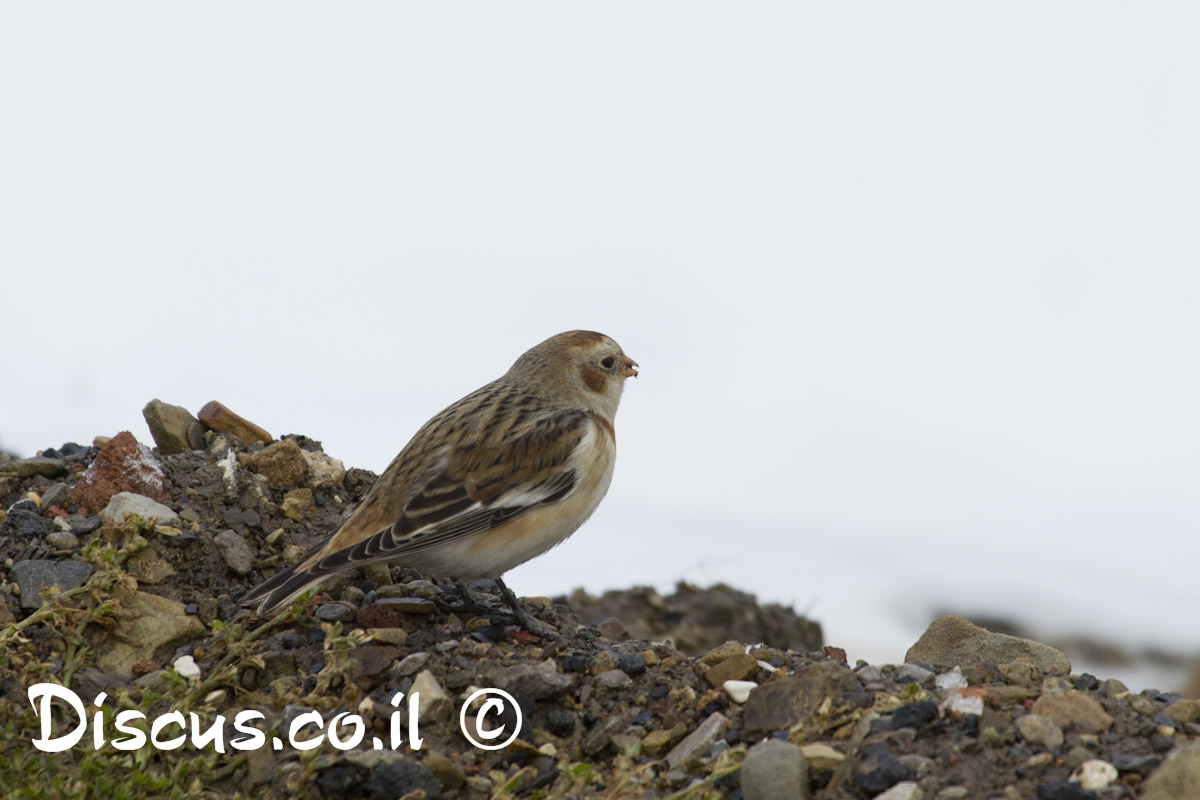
x=739 y=691
x=905 y=790
x=323 y=470
x=1094 y=775
x=951 y=680
x=433 y=703
x=186 y=667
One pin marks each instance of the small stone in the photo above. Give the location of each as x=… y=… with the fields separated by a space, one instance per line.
x=34 y=576
x=739 y=691
x=409 y=665
x=37 y=465
x=774 y=770
x=782 y=703
x=1180 y=712
x=699 y=742
x=822 y=756
x=1111 y=687
x=336 y=611
x=1074 y=708
x=122 y=504
x=869 y=673
x=952 y=641
x=281 y=463
x=378 y=615
x=409 y=605
x=1130 y=762
x=953 y=793
x=1178 y=777
x=62 y=540
x=149 y=569
x=393 y=779
x=880 y=770
x=219 y=418
x=613 y=679
x=612 y=629
x=914 y=673
x=600 y=735
x=1094 y=775
x=737 y=667
x=236 y=551
x=434 y=704
x=295 y=503
x=540 y=681
x=913 y=715
x=719 y=654
x=393 y=636
x=657 y=742
x=1038 y=730
x=169 y=426
x=54 y=497
x=561 y=722
x=186 y=667
x=323 y=472
x=905 y=790
x=374 y=659
x=449 y=774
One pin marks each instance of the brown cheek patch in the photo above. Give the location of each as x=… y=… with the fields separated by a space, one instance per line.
x=592 y=379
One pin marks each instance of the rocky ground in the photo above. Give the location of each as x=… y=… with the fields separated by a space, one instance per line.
x=122 y=567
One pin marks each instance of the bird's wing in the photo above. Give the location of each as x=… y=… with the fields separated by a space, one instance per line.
x=470 y=490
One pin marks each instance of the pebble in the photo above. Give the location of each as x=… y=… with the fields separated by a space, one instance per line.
x=739 y=691
x=323 y=471
x=336 y=611
x=186 y=667
x=953 y=793
x=905 y=790
x=1038 y=730
x=613 y=679
x=540 y=681
x=822 y=756
x=737 y=667
x=913 y=715
x=914 y=673
x=434 y=704
x=951 y=680
x=409 y=605
x=1094 y=775
x=699 y=742
x=409 y=665
x=560 y=722
x=55 y=496
x=123 y=503
x=236 y=551
x=281 y=463
x=1073 y=708
x=869 y=673
x=62 y=540
x=774 y=770
x=392 y=779
x=880 y=770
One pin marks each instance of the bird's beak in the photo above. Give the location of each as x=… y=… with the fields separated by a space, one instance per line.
x=630 y=368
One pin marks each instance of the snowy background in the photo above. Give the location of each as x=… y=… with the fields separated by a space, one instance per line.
x=914 y=287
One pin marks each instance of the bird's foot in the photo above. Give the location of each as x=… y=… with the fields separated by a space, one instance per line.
x=534 y=626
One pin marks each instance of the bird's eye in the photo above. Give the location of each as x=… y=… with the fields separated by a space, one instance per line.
x=607 y=363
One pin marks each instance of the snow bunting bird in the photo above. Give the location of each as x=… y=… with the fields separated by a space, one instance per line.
x=498 y=478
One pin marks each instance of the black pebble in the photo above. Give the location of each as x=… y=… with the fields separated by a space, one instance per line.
x=560 y=722
x=191 y=608
x=397 y=778
x=573 y=663
x=631 y=664
x=643 y=718
x=340 y=783
x=914 y=715
x=660 y=691
x=1062 y=790
x=880 y=770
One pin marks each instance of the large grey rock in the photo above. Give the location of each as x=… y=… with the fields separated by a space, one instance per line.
x=1177 y=777
x=36 y=575
x=169 y=425
x=775 y=770
x=124 y=503
x=952 y=641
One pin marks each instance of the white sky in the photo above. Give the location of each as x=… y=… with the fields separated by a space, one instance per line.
x=913 y=286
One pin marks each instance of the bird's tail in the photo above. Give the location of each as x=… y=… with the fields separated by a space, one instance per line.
x=285 y=586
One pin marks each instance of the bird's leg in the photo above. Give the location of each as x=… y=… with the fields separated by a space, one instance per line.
x=527 y=622
x=470 y=604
